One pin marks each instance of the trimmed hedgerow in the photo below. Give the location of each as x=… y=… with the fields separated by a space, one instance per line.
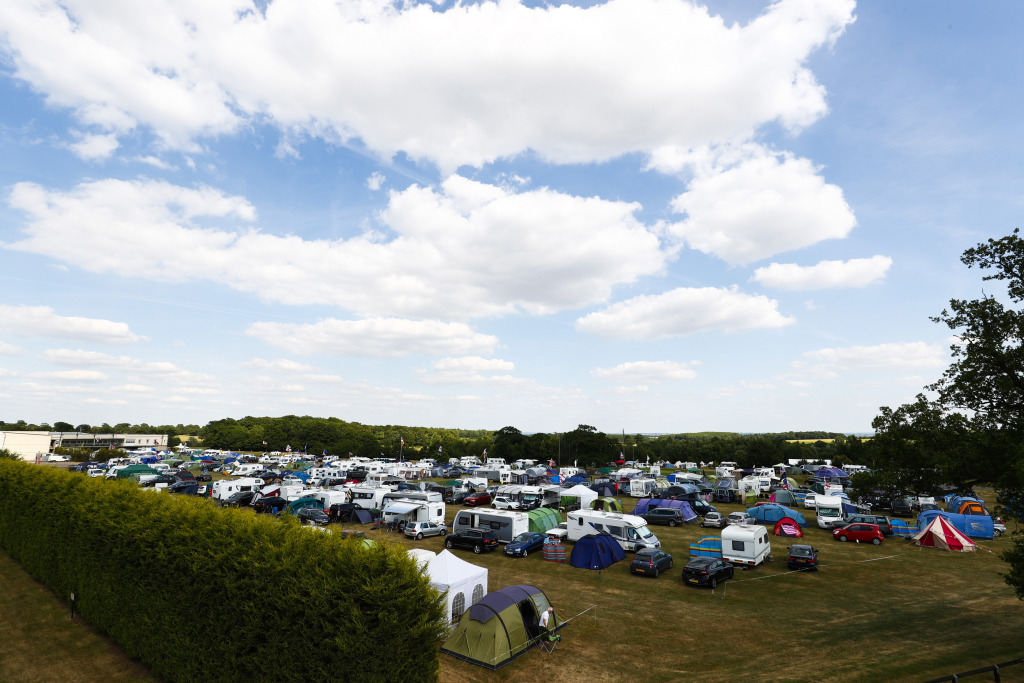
x=199 y=592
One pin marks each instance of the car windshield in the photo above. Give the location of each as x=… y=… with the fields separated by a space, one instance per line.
x=800 y=552
x=828 y=512
x=644 y=532
x=522 y=538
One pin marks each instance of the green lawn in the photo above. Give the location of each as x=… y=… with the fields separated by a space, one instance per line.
x=892 y=612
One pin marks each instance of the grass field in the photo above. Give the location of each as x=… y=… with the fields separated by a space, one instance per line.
x=891 y=612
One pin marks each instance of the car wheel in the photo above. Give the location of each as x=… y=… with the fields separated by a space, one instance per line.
x=448 y=544
x=876 y=541
x=997 y=533
x=444 y=532
x=525 y=552
x=843 y=539
x=672 y=522
x=713 y=583
x=419 y=537
x=670 y=563
x=657 y=572
x=477 y=549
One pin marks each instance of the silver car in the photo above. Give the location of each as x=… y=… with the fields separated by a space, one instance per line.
x=714 y=519
x=420 y=529
x=740 y=518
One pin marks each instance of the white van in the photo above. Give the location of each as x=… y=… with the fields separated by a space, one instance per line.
x=629 y=530
x=505 y=523
x=642 y=488
x=745 y=544
x=830 y=511
x=368 y=497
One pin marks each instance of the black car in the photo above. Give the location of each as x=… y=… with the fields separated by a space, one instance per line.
x=650 y=562
x=187 y=488
x=702 y=508
x=900 y=507
x=239 y=499
x=707 y=571
x=342 y=512
x=314 y=516
x=161 y=479
x=270 y=504
x=456 y=498
x=204 y=476
x=802 y=557
x=669 y=516
x=472 y=539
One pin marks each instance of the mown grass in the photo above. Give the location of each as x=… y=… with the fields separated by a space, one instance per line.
x=893 y=612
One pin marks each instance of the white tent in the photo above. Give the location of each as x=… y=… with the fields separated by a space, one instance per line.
x=465 y=582
x=584 y=493
x=422 y=557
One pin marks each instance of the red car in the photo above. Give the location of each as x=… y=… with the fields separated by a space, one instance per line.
x=477 y=499
x=864 y=533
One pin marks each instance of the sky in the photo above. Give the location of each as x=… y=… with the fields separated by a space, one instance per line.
x=648 y=216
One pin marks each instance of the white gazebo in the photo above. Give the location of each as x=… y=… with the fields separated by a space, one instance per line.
x=465 y=582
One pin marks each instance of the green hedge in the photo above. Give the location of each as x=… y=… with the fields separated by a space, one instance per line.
x=199 y=592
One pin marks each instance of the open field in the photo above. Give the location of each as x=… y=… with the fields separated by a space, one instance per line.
x=892 y=612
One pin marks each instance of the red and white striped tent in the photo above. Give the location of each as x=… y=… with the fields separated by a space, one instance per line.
x=941 y=534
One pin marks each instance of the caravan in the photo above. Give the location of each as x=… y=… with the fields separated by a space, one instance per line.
x=225 y=488
x=408 y=510
x=505 y=523
x=629 y=530
x=368 y=497
x=745 y=544
x=642 y=487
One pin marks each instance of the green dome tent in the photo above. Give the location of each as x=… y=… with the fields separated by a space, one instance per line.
x=501 y=626
x=606 y=504
x=542 y=519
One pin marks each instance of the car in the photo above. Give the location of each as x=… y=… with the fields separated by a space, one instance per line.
x=482 y=498
x=669 y=516
x=204 y=476
x=714 y=520
x=998 y=526
x=802 y=558
x=166 y=479
x=455 y=497
x=525 y=543
x=269 y=504
x=314 y=516
x=707 y=571
x=900 y=507
x=238 y=499
x=560 y=532
x=342 y=512
x=862 y=533
x=650 y=562
x=418 y=530
x=504 y=503
x=702 y=508
x=741 y=517
x=884 y=525
x=476 y=540
x=810 y=501
x=58 y=458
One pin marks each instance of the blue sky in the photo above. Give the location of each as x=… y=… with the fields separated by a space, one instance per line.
x=643 y=215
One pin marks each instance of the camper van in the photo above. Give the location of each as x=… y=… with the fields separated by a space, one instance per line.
x=745 y=544
x=246 y=469
x=830 y=511
x=329 y=498
x=224 y=488
x=408 y=510
x=629 y=530
x=368 y=497
x=642 y=488
x=531 y=497
x=505 y=523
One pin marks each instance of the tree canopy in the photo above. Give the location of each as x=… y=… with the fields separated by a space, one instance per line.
x=968 y=431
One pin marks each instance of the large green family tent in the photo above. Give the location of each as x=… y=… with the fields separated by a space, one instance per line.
x=606 y=504
x=500 y=627
x=542 y=519
x=135 y=471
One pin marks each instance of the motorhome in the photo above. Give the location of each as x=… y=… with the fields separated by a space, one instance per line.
x=246 y=469
x=830 y=511
x=409 y=510
x=501 y=475
x=745 y=544
x=326 y=472
x=224 y=488
x=531 y=497
x=329 y=498
x=495 y=462
x=368 y=497
x=505 y=523
x=642 y=487
x=629 y=530
x=384 y=479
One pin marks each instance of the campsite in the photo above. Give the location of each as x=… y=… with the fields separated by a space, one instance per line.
x=890 y=612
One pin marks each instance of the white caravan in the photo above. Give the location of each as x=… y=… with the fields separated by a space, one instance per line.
x=409 y=510
x=629 y=530
x=642 y=487
x=224 y=488
x=745 y=544
x=505 y=523
x=368 y=497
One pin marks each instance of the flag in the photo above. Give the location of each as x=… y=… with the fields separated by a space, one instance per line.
x=325 y=451
x=264 y=443
x=402 y=439
x=485 y=452
x=288 y=448
x=439 y=450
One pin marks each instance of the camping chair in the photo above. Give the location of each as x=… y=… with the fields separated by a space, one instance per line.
x=548 y=641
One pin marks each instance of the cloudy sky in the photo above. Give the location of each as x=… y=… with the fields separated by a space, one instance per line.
x=644 y=215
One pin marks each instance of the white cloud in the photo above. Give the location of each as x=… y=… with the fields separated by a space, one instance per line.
x=10 y=350
x=824 y=275
x=681 y=312
x=94 y=147
x=485 y=80
x=461 y=251
x=375 y=181
x=647 y=371
x=73 y=375
x=167 y=372
x=471 y=370
x=156 y=162
x=376 y=337
x=882 y=356
x=277 y=365
x=759 y=207
x=43 y=322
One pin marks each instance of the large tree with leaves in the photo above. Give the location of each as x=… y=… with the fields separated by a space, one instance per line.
x=970 y=430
